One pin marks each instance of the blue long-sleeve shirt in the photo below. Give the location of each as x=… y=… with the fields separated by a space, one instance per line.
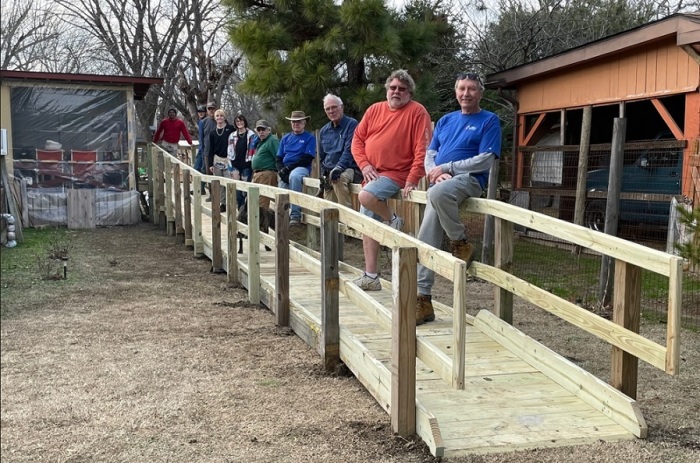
x=334 y=149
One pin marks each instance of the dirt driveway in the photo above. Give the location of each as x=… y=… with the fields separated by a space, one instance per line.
x=143 y=355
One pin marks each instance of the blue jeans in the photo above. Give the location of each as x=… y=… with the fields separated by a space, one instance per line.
x=296 y=182
x=247 y=175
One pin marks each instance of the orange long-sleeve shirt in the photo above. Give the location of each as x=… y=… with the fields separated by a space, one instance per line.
x=393 y=141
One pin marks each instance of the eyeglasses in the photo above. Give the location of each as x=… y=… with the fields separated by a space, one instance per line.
x=399 y=88
x=260 y=129
x=331 y=108
x=470 y=76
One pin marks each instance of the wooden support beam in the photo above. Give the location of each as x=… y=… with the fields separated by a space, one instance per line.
x=282 y=258
x=585 y=143
x=216 y=254
x=197 y=238
x=253 y=244
x=503 y=259
x=403 y=341
x=330 y=321
x=668 y=119
x=231 y=235
x=187 y=218
x=626 y=313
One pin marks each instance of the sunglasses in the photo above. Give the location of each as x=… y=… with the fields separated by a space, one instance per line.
x=400 y=88
x=261 y=129
x=470 y=76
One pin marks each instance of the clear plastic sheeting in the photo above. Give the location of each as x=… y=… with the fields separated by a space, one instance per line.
x=70 y=137
x=49 y=206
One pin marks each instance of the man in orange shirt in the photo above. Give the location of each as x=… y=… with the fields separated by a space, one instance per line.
x=389 y=147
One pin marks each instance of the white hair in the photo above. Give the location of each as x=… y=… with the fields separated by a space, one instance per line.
x=334 y=97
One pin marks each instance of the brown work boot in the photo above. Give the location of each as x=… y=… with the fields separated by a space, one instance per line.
x=462 y=249
x=424 y=309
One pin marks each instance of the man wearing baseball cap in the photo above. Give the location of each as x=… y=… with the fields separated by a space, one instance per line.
x=199 y=159
x=208 y=126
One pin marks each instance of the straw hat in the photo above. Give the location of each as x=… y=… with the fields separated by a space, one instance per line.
x=298 y=116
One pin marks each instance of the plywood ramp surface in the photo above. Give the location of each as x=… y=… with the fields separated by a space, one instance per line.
x=508 y=402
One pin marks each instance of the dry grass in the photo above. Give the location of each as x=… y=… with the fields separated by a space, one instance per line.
x=143 y=355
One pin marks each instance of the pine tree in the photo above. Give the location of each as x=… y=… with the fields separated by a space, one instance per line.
x=299 y=50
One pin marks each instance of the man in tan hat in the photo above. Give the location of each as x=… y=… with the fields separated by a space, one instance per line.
x=294 y=157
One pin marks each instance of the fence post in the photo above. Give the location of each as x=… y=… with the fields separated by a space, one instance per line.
x=503 y=259
x=177 y=184
x=282 y=258
x=169 y=213
x=253 y=244
x=487 y=248
x=186 y=183
x=197 y=239
x=160 y=188
x=330 y=322
x=403 y=341
x=459 y=325
x=152 y=212
x=626 y=313
x=612 y=207
x=216 y=257
x=231 y=235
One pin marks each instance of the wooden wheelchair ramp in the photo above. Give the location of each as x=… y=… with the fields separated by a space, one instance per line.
x=518 y=394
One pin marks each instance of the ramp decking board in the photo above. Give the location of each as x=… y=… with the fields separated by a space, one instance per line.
x=506 y=405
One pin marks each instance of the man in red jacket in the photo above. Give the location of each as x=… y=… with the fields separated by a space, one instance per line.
x=169 y=131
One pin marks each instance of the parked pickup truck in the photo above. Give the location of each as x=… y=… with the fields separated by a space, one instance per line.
x=654 y=173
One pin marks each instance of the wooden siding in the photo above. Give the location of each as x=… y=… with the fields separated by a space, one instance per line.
x=642 y=73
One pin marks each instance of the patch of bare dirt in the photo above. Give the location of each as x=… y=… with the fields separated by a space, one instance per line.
x=144 y=355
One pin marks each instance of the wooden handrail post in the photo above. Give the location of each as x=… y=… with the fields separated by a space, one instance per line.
x=231 y=235
x=253 y=244
x=177 y=184
x=459 y=323
x=152 y=212
x=187 y=219
x=330 y=280
x=282 y=258
x=197 y=238
x=169 y=212
x=216 y=257
x=159 y=193
x=503 y=259
x=626 y=313
x=403 y=341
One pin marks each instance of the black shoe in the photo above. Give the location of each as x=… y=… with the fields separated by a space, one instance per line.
x=222 y=208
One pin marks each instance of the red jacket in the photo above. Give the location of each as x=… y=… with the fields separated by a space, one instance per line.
x=170 y=129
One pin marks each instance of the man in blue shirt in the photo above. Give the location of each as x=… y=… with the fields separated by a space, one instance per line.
x=337 y=164
x=296 y=152
x=199 y=159
x=465 y=145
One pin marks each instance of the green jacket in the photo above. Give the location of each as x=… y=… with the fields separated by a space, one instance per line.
x=266 y=154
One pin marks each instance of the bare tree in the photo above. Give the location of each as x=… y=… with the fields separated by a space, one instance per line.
x=25 y=34
x=154 y=39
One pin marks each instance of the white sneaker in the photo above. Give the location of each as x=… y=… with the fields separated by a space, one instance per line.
x=396 y=223
x=368 y=283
